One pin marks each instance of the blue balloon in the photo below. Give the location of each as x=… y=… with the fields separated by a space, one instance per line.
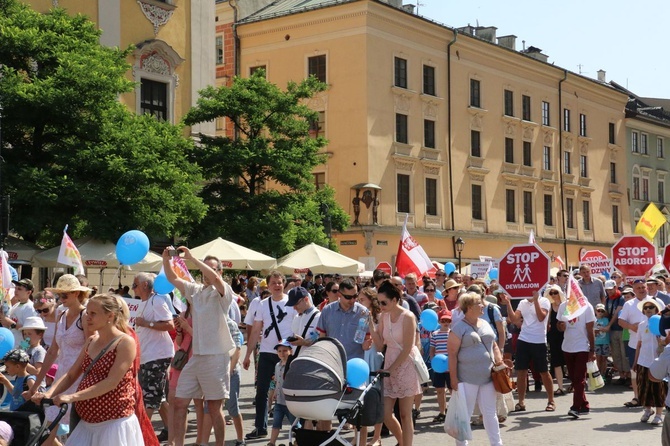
x=493 y=274
x=358 y=372
x=440 y=363
x=654 y=325
x=162 y=285
x=6 y=341
x=438 y=295
x=132 y=247
x=429 y=320
x=449 y=268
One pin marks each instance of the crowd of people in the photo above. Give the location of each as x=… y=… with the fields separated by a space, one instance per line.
x=81 y=349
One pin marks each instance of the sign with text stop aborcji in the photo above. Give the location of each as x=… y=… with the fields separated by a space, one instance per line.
x=634 y=256
x=523 y=270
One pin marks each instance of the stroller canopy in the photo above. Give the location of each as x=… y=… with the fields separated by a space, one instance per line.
x=318 y=371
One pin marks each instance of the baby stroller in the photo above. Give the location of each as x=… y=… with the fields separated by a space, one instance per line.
x=315 y=388
x=30 y=426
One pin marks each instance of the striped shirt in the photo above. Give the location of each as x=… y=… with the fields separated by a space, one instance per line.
x=438 y=340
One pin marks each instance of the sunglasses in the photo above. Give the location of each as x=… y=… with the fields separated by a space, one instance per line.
x=649 y=307
x=553 y=293
x=600 y=311
x=563 y=275
x=383 y=303
x=445 y=320
x=429 y=290
x=43 y=310
x=349 y=296
x=334 y=290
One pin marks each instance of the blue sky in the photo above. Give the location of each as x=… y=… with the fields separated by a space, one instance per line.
x=626 y=39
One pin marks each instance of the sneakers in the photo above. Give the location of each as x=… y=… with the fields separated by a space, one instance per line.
x=163 y=436
x=240 y=443
x=646 y=415
x=256 y=433
x=657 y=421
x=573 y=413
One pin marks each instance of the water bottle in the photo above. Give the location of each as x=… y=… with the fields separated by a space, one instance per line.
x=361 y=331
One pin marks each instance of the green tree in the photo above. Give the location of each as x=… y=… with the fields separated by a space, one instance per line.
x=260 y=189
x=72 y=153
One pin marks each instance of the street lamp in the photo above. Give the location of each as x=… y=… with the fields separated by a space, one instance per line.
x=460 y=244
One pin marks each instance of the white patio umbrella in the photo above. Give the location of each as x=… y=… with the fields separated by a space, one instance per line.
x=233 y=256
x=319 y=260
x=21 y=251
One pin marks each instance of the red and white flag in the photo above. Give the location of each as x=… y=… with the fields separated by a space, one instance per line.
x=560 y=261
x=576 y=302
x=69 y=254
x=411 y=257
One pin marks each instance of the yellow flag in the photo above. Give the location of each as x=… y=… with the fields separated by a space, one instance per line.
x=651 y=221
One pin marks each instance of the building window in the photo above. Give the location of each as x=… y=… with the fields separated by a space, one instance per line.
x=644 y=146
x=613 y=173
x=566 y=119
x=634 y=147
x=403 y=193
x=431 y=196
x=548 y=210
x=569 y=213
x=509 y=150
x=659 y=148
x=401 y=128
x=636 y=188
x=525 y=107
x=509 y=103
x=219 y=50
x=586 y=211
x=429 y=80
x=546 y=119
x=317 y=127
x=583 y=166
x=154 y=99
x=252 y=70
x=510 y=206
x=475 y=143
x=476 y=202
x=527 y=155
x=319 y=180
x=612 y=133
x=567 y=168
x=661 y=191
x=546 y=158
x=528 y=207
x=316 y=66
x=645 y=189
x=400 y=72
x=582 y=124
x=615 y=219
x=429 y=133
x=475 y=93
x=663 y=234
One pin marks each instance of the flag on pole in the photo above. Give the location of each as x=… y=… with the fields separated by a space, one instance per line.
x=69 y=254
x=181 y=270
x=531 y=237
x=651 y=221
x=487 y=276
x=411 y=257
x=576 y=302
x=560 y=261
x=5 y=277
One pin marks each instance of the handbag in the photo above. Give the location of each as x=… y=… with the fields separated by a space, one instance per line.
x=180 y=358
x=594 y=378
x=501 y=380
x=419 y=364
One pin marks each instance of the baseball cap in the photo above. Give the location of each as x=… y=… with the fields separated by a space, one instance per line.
x=498 y=291
x=610 y=284
x=444 y=314
x=600 y=307
x=25 y=283
x=296 y=295
x=284 y=343
x=627 y=290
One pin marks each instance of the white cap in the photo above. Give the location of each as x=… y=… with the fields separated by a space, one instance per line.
x=610 y=284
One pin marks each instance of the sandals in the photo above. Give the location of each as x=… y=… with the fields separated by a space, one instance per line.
x=439 y=418
x=632 y=403
x=559 y=392
x=519 y=407
x=551 y=407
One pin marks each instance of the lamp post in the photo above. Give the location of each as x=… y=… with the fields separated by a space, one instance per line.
x=460 y=244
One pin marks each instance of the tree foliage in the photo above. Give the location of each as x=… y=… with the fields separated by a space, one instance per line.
x=260 y=189
x=72 y=153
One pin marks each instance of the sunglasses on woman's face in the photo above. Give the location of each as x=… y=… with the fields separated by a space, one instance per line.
x=383 y=303
x=553 y=293
x=43 y=310
x=429 y=290
x=649 y=307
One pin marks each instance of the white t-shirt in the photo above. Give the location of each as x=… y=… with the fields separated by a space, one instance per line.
x=251 y=311
x=211 y=335
x=576 y=338
x=649 y=344
x=533 y=331
x=154 y=344
x=284 y=316
x=299 y=322
x=19 y=313
x=631 y=314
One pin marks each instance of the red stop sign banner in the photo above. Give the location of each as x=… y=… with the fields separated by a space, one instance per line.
x=666 y=256
x=597 y=260
x=523 y=270
x=634 y=256
x=385 y=266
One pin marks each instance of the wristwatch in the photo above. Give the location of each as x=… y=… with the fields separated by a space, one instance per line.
x=13 y=325
x=151 y=324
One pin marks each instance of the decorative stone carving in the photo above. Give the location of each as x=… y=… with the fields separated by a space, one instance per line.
x=154 y=63
x=54 y=3
x=583 y=147
x=528 y=185
x=401 y=102
x=475 y=177
x=510 y=183
x=404 y=166
x=429 y=110
x=586 y=194
x=476 y=122
x=509 y=129
x=568 y=143
x=548 y=138
x=155 y=14
x=527 y=133
x=431 y=170
x=570 y=192
x=548 y=188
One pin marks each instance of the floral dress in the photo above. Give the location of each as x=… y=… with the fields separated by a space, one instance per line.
x=404 y=381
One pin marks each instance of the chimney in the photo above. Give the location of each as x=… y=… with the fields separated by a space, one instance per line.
x=602 y=76
x=467 y=30
x=507 y=42
x=536 y=53
x=487 y=33
x=408 y=8
x=394 y=3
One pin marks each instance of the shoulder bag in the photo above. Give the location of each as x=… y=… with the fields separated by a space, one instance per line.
x=417 y=359
x=297 y=350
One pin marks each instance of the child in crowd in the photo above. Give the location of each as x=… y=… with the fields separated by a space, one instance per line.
x=232 y=403
x=284 y=350
x=16 y=362
x=438 y=346
x=602 y=340
x=33 y=333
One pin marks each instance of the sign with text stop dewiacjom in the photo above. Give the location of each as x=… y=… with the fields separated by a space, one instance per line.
x=523 y=270
x=634 y=256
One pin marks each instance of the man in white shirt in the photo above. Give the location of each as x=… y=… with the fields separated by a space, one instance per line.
x=531 y=345
x=306 y=319
x=21 y=310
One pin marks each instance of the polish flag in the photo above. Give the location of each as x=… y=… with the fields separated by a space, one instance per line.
x=560 y=261
x=411 y=257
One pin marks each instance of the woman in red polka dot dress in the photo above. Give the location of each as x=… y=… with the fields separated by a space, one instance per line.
x=105 y=397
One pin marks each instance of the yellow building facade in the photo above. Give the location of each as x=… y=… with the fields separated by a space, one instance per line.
x=455 y=128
